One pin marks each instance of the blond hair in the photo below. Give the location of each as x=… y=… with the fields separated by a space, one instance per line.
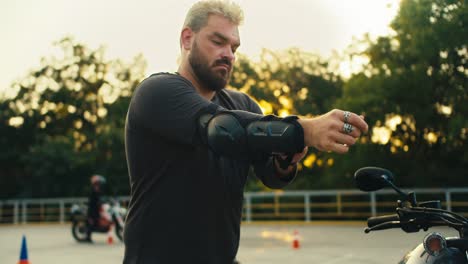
x=197 y=16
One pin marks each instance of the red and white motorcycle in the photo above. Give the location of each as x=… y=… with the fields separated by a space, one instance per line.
x=112 y=216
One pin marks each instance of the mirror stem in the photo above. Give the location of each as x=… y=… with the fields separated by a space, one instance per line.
x=407 y=197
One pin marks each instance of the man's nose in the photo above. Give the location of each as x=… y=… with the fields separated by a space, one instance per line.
x=228 y=54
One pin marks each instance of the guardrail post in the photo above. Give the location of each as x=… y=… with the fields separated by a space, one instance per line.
x=338 y=203
x=62 y=212
x=42 y=215
x=248 y=208
x=15 y=212
x=373 y=204
x=307 y=207
x=24 y=212
x=448 y=200
x=276 y=204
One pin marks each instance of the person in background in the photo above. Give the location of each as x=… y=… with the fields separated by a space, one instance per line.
x=95 y=203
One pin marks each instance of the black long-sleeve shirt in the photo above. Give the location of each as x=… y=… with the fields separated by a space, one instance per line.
x=186 y=201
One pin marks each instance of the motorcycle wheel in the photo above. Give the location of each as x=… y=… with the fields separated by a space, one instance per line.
x=80 y=231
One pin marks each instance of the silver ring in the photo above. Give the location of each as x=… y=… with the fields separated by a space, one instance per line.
x=347 y=128
x=346 y=115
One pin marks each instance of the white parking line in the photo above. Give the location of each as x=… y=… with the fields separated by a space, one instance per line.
x=339 y=260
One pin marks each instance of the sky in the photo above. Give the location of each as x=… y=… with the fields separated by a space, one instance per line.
x=126 y=28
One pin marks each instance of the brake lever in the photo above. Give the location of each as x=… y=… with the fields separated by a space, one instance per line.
x=383 y=226
x=417 y=218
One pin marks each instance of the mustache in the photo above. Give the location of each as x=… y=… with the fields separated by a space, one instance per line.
x=223 y=61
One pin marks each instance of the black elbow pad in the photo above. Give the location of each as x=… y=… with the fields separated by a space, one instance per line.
x=226 y=136
x=286 y=136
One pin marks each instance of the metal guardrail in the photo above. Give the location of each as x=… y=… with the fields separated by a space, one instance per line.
x=341 y=204
x=261 y=206
x=24 y=211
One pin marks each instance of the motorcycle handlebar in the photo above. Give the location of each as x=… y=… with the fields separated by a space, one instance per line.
x=376 y=220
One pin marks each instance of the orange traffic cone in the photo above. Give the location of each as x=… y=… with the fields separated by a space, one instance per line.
x=24 y=252
x=295 y=242
x=110 y=238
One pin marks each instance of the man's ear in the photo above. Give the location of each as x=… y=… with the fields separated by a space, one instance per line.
x=186 y=38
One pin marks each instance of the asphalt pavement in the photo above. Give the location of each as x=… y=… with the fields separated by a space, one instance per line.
x=261 y=243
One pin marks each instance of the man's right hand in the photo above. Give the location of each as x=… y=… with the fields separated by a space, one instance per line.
x=329 y=132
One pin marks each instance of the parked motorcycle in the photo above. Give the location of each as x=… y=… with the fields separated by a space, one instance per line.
x=412 y=216
x=112 y=216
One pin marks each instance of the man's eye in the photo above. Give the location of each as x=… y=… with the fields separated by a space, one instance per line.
x=217 y=42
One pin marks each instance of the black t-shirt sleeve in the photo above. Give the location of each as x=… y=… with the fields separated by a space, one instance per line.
x=253 y=106
x=169 y=106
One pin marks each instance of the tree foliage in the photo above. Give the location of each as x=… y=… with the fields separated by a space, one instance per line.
x=414 y=93
x=65 y=122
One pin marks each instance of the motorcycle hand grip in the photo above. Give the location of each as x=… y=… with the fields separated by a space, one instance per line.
x=373 y=221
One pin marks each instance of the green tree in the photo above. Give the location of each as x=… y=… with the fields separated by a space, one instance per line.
x=414 y=93
x=66 y=122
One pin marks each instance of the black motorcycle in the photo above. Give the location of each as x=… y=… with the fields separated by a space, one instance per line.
x=112 y=218
x=412 y=216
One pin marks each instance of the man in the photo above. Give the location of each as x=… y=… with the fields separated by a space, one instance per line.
x=190 y=143
x=94 y=204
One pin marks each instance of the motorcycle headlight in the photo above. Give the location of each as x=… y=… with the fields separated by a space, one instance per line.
x=434 y=244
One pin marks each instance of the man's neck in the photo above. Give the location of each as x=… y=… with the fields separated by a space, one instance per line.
x=190 y=75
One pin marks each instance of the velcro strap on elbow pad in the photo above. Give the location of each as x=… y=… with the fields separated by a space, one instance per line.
x=285 y=136
x=299 y=138
x=226 y=136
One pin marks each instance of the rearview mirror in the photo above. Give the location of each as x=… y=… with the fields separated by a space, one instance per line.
x=370 y=179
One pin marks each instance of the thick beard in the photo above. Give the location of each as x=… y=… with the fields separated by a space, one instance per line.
x=205 y=75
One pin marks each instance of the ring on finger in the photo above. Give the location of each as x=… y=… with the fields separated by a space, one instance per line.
x=346 y=115
x=347 y=128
